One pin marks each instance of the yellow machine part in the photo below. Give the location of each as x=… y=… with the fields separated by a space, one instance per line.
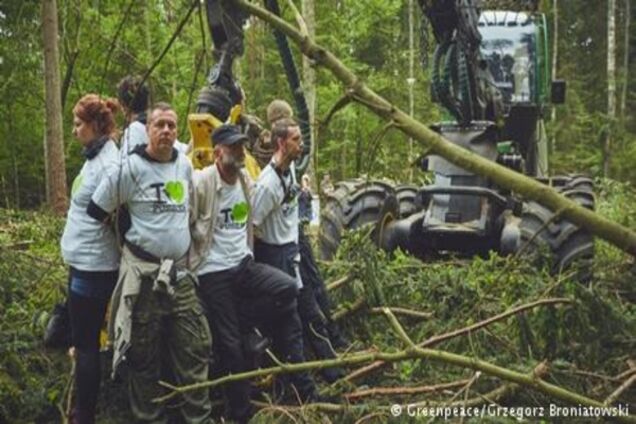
x=201 y=126
x=251 y=166
x=104 y=342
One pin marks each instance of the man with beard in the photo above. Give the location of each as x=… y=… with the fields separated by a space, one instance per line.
x=275 y=202
x=238 y=292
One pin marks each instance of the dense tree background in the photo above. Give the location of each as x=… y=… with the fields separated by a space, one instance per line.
x=587 y=342
x=102 y=41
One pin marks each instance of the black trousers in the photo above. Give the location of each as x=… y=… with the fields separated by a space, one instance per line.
x=314 y=322
x=252 y=294
x=311 y=277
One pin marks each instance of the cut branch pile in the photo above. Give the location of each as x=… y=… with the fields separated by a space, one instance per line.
x=493 y=331
x=493 y=334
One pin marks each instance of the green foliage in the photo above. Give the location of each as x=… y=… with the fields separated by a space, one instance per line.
x=460 y=292
x=100 y=42
x=95 y=53
x=33 y=380
x=371 y=37
x=582 y=123
x=32 y=279
x=592 y=334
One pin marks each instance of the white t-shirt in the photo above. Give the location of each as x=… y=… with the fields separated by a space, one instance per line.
x=87 y=244
x=229 y=245
x=158 y=198
x=135 y=134
x=277 y=220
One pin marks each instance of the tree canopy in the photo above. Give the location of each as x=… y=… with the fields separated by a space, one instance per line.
x=100 y=42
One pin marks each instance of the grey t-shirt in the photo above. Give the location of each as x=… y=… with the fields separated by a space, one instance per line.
x=275 y=216
x=87 y=244
x=135 y=134
x=230 y=244
x=157 y=195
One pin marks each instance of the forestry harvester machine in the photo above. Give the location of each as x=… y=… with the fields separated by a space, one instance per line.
x=491 y=73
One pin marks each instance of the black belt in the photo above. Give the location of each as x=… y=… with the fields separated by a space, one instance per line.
x=141 y=253
x=275 y=246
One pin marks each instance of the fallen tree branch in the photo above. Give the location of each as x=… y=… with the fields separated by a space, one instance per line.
x=442 y=337
x=375 y=145
x=341 y=103
x=591 y=374
x=397 y=327
x=529 y=380
x=490 y=397
x=18 y=245
x=299 y=19
x=631 y=370
x=304 y=366
x=346 y=310
x=541 y=370
x=459 y=332
x=464 y=389
x=338 y=283
x=622 y=388
x=620 y=236
x=493 y=396
x=404 y=311
x=399 y=391
x=532 y=380
x=66 y=401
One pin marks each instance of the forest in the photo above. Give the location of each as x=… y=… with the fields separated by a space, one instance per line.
x=542 y=331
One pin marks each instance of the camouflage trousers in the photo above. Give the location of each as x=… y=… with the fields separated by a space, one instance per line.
x=170 y=341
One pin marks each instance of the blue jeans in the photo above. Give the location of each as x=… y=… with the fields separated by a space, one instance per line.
x=89 y=293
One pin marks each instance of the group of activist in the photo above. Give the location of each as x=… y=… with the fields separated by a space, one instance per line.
x=207 y=271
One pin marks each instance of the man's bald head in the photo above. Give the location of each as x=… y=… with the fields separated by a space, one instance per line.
x=277 y=110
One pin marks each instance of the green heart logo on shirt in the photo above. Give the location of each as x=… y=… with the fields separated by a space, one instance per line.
x=175 y=191
x=77 y=183
x=239 y=213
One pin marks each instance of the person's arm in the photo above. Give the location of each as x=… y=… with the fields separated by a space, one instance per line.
x=197 y=202
x=111 y=192
x=133 y=136
x=192 y=197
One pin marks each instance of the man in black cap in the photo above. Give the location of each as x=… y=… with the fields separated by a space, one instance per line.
x=238 y=292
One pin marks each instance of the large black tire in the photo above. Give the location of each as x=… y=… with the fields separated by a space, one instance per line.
x=406 y=194
x=351 y=205
x=566 y=245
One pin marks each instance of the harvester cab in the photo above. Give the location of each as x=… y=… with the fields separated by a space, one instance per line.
x=490 y=72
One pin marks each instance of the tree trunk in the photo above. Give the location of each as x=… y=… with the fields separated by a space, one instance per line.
x=411 y=79
x=611 y=84
x=434 y=143
x=628 y=20
x=309 y=82
x=14 y=163
x=148 y=24
x=54 y=141
x=555 y=58
x=250 y=50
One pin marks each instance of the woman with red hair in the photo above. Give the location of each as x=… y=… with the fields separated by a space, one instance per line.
x=90 y=248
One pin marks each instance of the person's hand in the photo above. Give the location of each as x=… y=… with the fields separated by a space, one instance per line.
x=266 y=138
